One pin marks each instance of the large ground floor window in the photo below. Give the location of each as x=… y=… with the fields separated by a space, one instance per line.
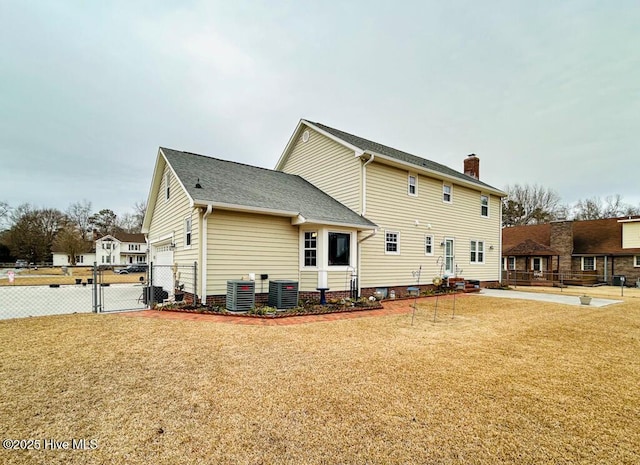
x=339 y=249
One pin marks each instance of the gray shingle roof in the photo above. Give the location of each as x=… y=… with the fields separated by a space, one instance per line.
x=234 y=183
x=375 y=147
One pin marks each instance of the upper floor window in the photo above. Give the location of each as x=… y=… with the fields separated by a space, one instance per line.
x=447 y=193
x=484 y=205
x=166 y=186
x=588 y=264
x=339 y=249
x=428 y=245
x=187 y=232
x=413 y=185
x=391 y=242
x=310 y=248
x=477 y=251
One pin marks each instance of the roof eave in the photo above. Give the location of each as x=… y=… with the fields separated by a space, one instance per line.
x=359 y=227
x=298 y=218
x=245 y=208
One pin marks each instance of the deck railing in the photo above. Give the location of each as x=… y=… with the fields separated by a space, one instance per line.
x=532 y=278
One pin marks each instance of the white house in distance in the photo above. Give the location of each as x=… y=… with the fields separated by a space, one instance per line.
x=111 y=250
x=339 y=209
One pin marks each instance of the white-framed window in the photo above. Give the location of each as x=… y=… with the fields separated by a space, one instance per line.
x=141 y=259
x=428 y=245
x=447 y=193
x=636 y=261
x=392 y=242
x=484 y=205
x=167 y=192
x=536 y=263
x=588 y=263
x=477 y=252
x=187 y=231
x=339 y=249
x=310 y=248
x=79 y=258
x=412 y=185
x=511 y=263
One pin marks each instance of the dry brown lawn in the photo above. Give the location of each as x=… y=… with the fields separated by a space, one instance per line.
x=502 y=382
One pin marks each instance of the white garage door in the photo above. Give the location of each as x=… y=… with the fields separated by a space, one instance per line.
x=163 y=268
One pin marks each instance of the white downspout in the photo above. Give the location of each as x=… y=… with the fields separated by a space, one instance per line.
x=360 y=259
x=364 y=184
x=203 y=263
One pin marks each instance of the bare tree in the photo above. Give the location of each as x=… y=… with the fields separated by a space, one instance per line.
x=595 y=208
x=33 y=231
x=5 y=210
x=139 y=209
x=69 y=240
x=530 y=204
x=79 y=214
x=128 y=223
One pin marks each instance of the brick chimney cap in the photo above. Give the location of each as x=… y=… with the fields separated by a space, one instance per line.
x=471 y=155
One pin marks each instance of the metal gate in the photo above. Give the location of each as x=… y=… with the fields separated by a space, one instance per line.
x=114 y=296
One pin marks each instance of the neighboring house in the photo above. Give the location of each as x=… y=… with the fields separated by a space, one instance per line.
x=61 y=258
x=339 y=211
x=116 y=249
x=573 y=251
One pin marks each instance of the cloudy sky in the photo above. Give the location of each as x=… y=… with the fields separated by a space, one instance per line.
x=544 y=92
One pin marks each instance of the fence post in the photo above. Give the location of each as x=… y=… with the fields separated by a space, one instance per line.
x=151 y=289
x=95 y=288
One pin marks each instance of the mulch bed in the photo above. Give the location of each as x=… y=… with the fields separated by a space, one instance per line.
x=281 y=314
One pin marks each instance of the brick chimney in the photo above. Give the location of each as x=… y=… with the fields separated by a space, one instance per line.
x=561 y=240
x=472 y=166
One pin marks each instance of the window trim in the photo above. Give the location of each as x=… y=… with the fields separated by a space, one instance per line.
x=636 y=262
x=533 y=259
x=305 y=248
x=444 y=193
x=595 y=268
x=349 y=255
x=188 y=232
x=414 y=185
x=397 y=242
x=509 y=268
x=476 y=250
x=483 y=206
x=428 y=236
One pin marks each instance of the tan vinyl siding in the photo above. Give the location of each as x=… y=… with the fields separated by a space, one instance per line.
x=308 y=280
x=168 y=216
x=242 y=243
x=329 y=166
x=631 y=235
x=390 y=206
x=336 y=280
